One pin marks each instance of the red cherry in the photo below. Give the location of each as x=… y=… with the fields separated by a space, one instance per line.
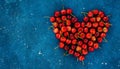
x=99 y=29
x=92 y=19
x=93 y=38
x=90 y=43
x=85 y=40
x=105 y=29
x=66 y=34
x=69 y=11
x=68 y=22
x=95 y=25
x=66 y=48
x=63 y=12
x=95 y=11
x=61 y=44
x=105 y=19
x=73 y=30
x=77 y=24
x=92 y=31
x=58 y=36
x=81 y=58
x=103 y=35
x=74 y=19
x=63 y=29
x=71 y=36
x=76 y=35
x=88 y=24
x=90 y=14
x=101 y=23
x=101 y=14
x=68 y=28
x=84 y=46
x=71 y=51
x=78 y=48
x=73 y=47
x=68 y=41
x=82 y=35
x=76 y=54
x=55 y=30
x=91 y=49
x=69 y=17
x=64 y=18
x=86 y=19
x=55 y=24
x=61 y=24
x=80 y=29
x=86 y=30
x=99 y=39
x=57 y=14
x=58 y=19
x=52 y=19
x=88 y=35
x=82 y=24
x=74 y=41
x=107 y=25
x=96 y=46
x=97 y=34
x=63 y=39
x=84 y=52
x=80 y=43
x=98 y=19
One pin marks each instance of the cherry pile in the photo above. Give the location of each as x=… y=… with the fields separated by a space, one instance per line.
x=80 y=38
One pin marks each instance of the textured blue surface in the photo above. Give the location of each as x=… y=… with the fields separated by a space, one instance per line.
x=26 y=42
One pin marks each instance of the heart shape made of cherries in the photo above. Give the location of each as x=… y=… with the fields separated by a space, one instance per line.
x=80 y=38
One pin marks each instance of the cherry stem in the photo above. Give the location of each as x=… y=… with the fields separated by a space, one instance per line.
x=84 y=13
x=65 y=53
x=50 y=27
x=100 y=47
x=56 y=47
x=83 y=63
x=105 y=40
x=72 y=15
x=46 y=17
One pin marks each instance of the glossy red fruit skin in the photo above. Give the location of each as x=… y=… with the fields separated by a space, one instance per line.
x=83 y=24
x=86 y=19
x=52 y=19
x=57 y=14
x=92 y=31
x=101 y=23
x=88 y=35
x=63 y=39
x=73 y=30
x=95 y=25
x=64 y=18
x=85 y=40
x=84 y=52
x=90 y=43
x=86 y=30
x=55 y=24
x=68 y=22
x=77 y=24
x=98 y=19
x=80 y=29
x=93 y=38
x=90 y=14
x=72 y=36
x=92 y=19
x=69 y=28
x=73 y=47
x=63 y=12
x=105 y=19
x=66 y=34
x=55 y=30
x=80 y=43
x=66 y=48
x=96 y=45
x=69 y=11
x=58 y=19
x=107 y=25
x=81 y=58
x=69 y=17
x=101 y=14
x=84 y=46
x=68 y=41
x=99 y=29
x=58 y=36
x=74 y=19
x=97 y=34
x=91 y=49
x=105 y=29
x=89 y=24
x=76 y=54
x=71 y=51
x=82 y=35
x=74 y=41
x=95 y=11
x=61 y=45
x=99 y=39
x=103 y=35
x=63 y=29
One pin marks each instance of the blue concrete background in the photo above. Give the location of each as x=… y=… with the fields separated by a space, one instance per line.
x=26 y=42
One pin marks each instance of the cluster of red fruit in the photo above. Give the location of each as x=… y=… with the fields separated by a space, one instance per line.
x=79 y=38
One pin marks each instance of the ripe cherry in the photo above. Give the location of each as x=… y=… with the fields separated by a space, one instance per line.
x=105 y=19
x=95 y=25
x=92 y=19
x=107 y=25
x=80 y=29
x=55 y=24
x=84 y=52
x=84 y=46
x=69 y=11
x=86 y=19
x=77 y=24
x=80 y=43
x=63 y=12
x=63 y=29
x=96 y=45
x=61 y=44
x=62 y=39
x=98 y=19
x=68 y=28
x=95 y=11
x=90 y=14
x=76 y=54
x=66 y=48
x=82 y=35
x=88 y=35
x=99 y=39
x=88 y=24
x=90 y=43
x=55 y=30
x=91 y=49
x=93 y=38
x=99 y=29
x=66 y=34
x=64 y=18
x=105 y=29
x=71 y=51
x=74 y=41
x=74 y=19
x=68 y=22
x=73 y=47
x=92 y=31
x=78 y=48
x=57 y=14
x=103 y=35
x=81 y=58
x=85 y=40
x=58 y=36
x=52 y=19
x=68 y=41
x=83 y=24
x=86 y=30
x=73 y=30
